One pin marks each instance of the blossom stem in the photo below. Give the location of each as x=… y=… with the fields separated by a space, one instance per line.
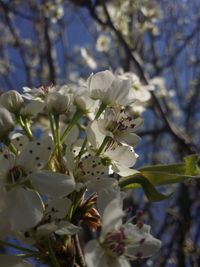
x=7 y=244
x=103 y=145
x=25 y=127
x=28 y=130
x=52 y=127
x=52 y=255
x=79 y=252
x=57 y=135
x=11 y=147
x=101 y=109
x=73 y=121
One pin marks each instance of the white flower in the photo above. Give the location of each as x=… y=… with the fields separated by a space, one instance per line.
x=54 y=11
x=6 y=123
x=23 y=206
x=54 y=219
x=88 y=58
x=32 y=108
x=119 y=242
x=109 y=89
x=122 y=158
x=103 y=43
x=12 y=101
x=117 y=125
x=58 y=103
x=81 y=98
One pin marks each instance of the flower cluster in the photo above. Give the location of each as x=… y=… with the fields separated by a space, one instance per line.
x=57 y=180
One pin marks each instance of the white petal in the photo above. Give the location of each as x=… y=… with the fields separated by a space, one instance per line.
x=24 y=208
x=143 y=243
x=52 y=184
x=57 y=208
x=95 y=137
x=94 y=255
x=118 y=92
x=36 y=154
x=99 y=83
x=19 y=141
x=67 y=228
x=7 y=162
x=119 y=262
x=130 y=139
x=13 y=261
x=99 y=184
x=112 y=216
x=123 y=170
x=106 y=195
x=122 y=155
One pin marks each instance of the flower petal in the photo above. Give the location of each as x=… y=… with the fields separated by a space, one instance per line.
x=36 y=154
x=94 y=255
x=143 y=244
x=112 y=216
x=52 y=184
x=24 y=208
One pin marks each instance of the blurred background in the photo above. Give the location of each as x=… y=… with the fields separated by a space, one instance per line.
x=60 y=41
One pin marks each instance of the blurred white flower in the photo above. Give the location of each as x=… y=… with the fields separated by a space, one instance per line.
x=110 y=90
x=119 y=242
x=12 y=101
x=103 y=43
x=6 y=123
x=88 y=59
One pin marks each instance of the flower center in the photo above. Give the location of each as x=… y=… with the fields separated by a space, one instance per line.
x=115 y=242
x=119 y=121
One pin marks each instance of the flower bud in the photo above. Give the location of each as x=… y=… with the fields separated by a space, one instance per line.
x=12 y=101
x=58 y=103
x=6 y=123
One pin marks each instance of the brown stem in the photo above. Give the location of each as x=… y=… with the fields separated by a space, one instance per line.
x=79 y=253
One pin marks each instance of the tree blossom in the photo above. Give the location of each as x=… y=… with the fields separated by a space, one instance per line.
x=117 y=125
x=119 y=242
x=109 y=89
x=12 y=101
x=6 y=123
x=19 y=173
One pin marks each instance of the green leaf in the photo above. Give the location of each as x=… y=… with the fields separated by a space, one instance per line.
x=192 y=165
x=139 y=180
x=173 y=173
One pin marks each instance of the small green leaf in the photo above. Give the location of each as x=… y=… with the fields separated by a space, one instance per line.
x=139 y=180
x=192 y=165
x=173 y=173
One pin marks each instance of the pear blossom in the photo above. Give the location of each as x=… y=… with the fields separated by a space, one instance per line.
x=119 y=242
x=53 y=221
x=19 y=173
x=117 y=125
x=58 y=103
x=12 y=101
x=109 y=89
x=122 y=159
x=141 y=92
x=103 y=43
x=88 y=59
x=6 y=123
x=32 y=108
